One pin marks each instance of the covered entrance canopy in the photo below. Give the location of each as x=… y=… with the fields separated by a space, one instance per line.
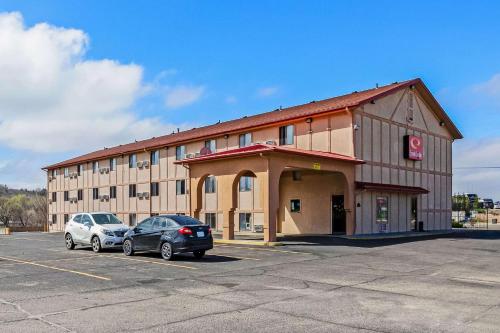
x=265 y=163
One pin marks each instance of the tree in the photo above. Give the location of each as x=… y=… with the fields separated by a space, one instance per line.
x=5 y=214
x=19 y=207
x=39 y=204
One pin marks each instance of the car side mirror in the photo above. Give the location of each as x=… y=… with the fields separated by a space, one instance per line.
x=137 y=230
x=87 y=224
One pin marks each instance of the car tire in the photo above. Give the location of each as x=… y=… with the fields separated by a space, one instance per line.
x=70 y=245
x=167 y=251
x=199 y=254
x=128 y=248
x=96 y=244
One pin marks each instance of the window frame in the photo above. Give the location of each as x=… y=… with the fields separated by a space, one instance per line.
x=247 y=185
x=66 y=196
x=132 y=190
x=132 y=161
x=66 y=172
x=79 y=195
x=242 y=139
x=155 y=157
x=211 y=143
x=95 y=167
x=132 y=217
x=292 y=205
x=210 y=184
x=54 y=218
x=112 y=192
x=155 y=189
x=180 y=187
x=213 y=222
x=180 y=152
x=112 y=164
x=54 y=196
x=79 y=169
x=95 y=193
x=286 y=135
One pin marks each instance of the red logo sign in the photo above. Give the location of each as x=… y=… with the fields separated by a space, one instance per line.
x=414 y=147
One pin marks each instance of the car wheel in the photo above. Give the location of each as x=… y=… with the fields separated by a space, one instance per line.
x=70 y=245
x=166 y=251
x=199 y=254
x=96 y=244
x=128 y=249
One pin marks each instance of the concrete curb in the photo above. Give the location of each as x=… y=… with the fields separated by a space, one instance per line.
x=246 y=242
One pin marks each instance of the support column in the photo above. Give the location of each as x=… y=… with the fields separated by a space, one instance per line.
x=271 y=180
x=228 y=224
x=228 y=205
x=350 y=203
x=195 y=198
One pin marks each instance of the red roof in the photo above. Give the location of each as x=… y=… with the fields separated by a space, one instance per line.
x=262 y=148
x=314 y=108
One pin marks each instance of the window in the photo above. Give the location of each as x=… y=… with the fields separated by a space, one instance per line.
x=80 y=195
x=112 y=192
x=80 y=169
x=245 y=221
x=112 y=164
x=104 y=218
x=180 y=152
x=95 y=167
x=155 y=189
x=87 y=219
x=66 y=196
x=245 y=183
x=211 y=220
x=159 y=222
x=132 y=191
x=210 y=184
x=211 y=144
x=54 y=172
x=180 y=186
x=296 y=175
x=146 y=225
x=132 y=219
x=54 y=196
x=66 y=172
x=245 y=139
x=155 y=157
x=54 y=219
x=132 y=161
x=95 y=193
x=295 y=205
x=382 y=210
x=77 y=218
x=66 y=218
x=286 y=135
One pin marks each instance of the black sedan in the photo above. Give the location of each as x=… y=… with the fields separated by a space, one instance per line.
x=169 y=234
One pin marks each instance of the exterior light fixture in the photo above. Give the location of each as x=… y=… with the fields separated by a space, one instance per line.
x=309 y=120
x=441 y=123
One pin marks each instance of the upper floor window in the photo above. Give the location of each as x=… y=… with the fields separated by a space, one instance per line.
x=112 y=164
x=245 y=139
x=80 y=195
x=210 y=184
x=212 y=145
x=132 y=191
x=245 y=183
x=66 y=196
x=155 y=157
x=286 y=134
x=95 y=193
x=112 y=192
x=80 y=169
x=95 y=167
x=54 y=172
x=54 y=196
x=132 y=161
x=155 y=189
x=66 y=172
x=180 y=152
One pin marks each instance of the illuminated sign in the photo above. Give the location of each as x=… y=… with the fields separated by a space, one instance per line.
x=316 y=166
x=413 y=147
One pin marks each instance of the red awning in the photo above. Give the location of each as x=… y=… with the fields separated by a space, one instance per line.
x=262 y=148
x=390 y=188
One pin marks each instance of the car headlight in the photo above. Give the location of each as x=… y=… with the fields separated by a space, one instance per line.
x=108 y=232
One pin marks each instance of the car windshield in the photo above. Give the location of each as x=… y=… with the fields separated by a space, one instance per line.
x=185 y=220
x=106 y=219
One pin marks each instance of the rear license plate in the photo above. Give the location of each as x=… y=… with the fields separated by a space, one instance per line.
x=200 y=234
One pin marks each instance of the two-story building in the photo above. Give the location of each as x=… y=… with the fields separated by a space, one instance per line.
x=372 y=161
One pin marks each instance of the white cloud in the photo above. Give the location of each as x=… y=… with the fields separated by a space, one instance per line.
x=477 y=153
x=231 y=100
x=267 y=91
x=490 y=87
x=180 y=96
x=52 y=99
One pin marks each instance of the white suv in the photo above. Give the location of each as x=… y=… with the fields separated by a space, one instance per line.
x=100 y=230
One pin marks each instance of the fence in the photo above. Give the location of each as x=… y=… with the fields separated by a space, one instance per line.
x=484 y=219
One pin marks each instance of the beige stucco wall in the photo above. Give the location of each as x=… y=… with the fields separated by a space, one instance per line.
x=379 y=141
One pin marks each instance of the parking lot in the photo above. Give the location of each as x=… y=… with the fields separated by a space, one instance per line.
x=434 y=284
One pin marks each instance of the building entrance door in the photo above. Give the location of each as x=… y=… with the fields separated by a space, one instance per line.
x=413 y=215
x=338 y=215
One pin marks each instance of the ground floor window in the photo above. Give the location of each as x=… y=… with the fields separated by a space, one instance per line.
x=382 y=210
x=54 y=219
x=211 y=220
x=132 y=219
x=66 y=218
x=245 y=222
x=180 y=187
x=295 y=205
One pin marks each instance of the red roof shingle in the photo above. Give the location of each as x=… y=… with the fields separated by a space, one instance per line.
x=265 y=119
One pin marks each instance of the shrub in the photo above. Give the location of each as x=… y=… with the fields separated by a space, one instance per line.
x=457 y=225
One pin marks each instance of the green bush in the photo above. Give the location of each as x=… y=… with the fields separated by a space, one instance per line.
x=457 y=225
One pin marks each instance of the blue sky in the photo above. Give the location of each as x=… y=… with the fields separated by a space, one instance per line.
x=224 y=59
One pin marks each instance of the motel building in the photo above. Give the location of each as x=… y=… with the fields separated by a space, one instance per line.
x=373 y=161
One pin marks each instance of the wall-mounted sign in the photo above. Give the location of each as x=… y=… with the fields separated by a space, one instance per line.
x=382 y=209
x=413 y=147
x=316 y=166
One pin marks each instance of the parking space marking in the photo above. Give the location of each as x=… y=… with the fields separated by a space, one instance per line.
x=258 y=249
x=231 y=256
x=55 y=268
x=147 y=261
x=31 y=239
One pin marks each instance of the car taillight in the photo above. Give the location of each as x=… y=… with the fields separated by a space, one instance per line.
x=185 y=231
x=209 y=230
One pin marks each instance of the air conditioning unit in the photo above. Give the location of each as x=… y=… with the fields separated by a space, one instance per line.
x=51 y=178
x=197 y=154
x=73 y=200
x=105 y=197
x=190 y=155
x=271 y=142
x=145 y=163
x=50 y=201
x=145 y=195
x=139 y=195
x=102 y=170
x=140 y=164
